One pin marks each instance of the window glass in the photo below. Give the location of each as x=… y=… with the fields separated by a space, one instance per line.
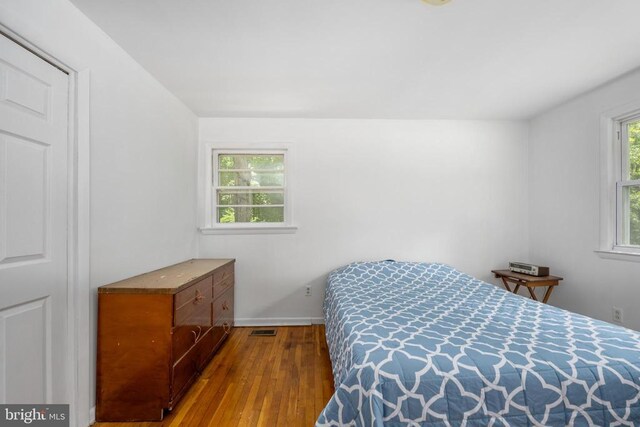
x=631 y=206
x=633 y=132
x=250 y=188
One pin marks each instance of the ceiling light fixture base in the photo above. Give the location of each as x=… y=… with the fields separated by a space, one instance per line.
x=436 y=2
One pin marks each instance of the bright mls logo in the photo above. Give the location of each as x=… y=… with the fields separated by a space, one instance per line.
x=34 y=415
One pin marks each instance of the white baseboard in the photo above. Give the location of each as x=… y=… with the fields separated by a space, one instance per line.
x=92 y=415
x=279 y=321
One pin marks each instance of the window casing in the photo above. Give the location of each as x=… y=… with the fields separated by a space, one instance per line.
x=627 y=134
x=247 y=190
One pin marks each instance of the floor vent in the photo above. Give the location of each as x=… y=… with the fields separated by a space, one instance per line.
x=263 y=332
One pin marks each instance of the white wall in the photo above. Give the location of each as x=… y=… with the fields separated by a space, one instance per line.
x=564 y=209
x=143 y=148
x=446 y=191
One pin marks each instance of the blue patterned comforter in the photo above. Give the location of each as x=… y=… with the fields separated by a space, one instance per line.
x=416 y=344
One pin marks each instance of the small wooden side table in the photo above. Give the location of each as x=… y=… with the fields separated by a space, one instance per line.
x=530 y=282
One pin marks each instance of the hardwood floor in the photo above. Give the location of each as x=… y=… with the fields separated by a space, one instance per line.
x=284 y=380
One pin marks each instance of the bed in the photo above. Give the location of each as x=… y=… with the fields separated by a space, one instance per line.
x=416 y=344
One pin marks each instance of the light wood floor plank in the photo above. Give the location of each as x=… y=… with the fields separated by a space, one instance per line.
x=258 y=381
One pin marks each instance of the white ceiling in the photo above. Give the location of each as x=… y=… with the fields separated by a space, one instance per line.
x=390 y=59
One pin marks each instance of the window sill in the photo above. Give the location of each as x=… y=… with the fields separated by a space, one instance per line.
x=619 y=255
x=276 y=229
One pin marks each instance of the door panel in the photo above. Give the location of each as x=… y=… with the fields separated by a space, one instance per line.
x=25 y=348
x=23 y=91
x=33 y=228
x=26 y=194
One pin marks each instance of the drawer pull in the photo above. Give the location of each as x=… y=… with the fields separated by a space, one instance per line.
x=199 y=297
x=227 y=328
x=196 y=335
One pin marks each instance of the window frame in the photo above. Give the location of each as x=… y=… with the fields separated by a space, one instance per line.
x=210 y=182
x=613 y=164
x=623 y=180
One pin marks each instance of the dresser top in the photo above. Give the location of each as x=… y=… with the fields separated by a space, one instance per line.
x=168 y=280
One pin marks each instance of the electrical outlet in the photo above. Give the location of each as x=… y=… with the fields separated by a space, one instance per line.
x=307 y=291
x=618 y=315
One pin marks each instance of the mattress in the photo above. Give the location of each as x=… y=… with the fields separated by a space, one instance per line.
x=417 y=344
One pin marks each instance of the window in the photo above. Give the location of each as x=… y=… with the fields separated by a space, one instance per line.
x=628 y=184
x=620 y=183
x=248 y=190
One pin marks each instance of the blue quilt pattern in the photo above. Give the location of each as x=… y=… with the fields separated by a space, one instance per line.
x=416 y=344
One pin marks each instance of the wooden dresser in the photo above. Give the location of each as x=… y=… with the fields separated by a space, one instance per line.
x=156 y=333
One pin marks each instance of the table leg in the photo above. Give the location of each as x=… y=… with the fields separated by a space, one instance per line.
x=515 y=291
x=506 y=284
x=533 y=294
x=547 y=294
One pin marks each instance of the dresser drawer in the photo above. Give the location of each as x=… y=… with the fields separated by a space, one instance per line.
x=218 y=333
x=223 y=307
x=223 y=315
x=219 y=288
x=190 y=365
x=223 y=273
x=223 y=279
x=183 y=373
x=193 y=305
x=185 y=337
x=190 y=294
x=221 y=330
x=205 y=351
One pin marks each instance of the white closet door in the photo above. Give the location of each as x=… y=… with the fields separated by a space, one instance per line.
x=33 y=228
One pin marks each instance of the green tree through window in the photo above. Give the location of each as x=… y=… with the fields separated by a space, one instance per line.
x=634 y=173
x=250 y=188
